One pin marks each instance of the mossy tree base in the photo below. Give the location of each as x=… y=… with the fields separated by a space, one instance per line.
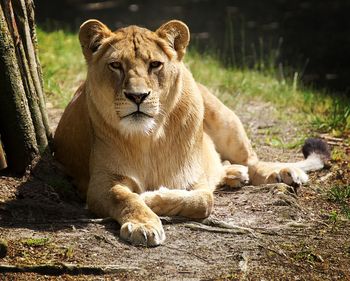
x=24 y=128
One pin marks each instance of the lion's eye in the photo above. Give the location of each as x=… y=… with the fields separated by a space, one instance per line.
x=155 y=64
x=115 y=65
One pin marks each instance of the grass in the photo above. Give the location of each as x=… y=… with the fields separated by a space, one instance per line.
x=68 y=252
x=276 y=141
x=64 y=69
x=325 y=112
x=336 y=121
x=62 y=63
x=338 y=154
x=341 y=196
x=35 y=242
x=308 y=255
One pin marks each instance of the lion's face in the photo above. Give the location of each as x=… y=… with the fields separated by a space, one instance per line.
x=133 y=71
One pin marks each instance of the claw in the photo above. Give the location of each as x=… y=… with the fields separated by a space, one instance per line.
x=235 y=175
x=143 y=234
x=291 y=176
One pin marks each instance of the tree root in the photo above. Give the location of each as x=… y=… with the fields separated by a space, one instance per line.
x=210 y=225
x=65 y=268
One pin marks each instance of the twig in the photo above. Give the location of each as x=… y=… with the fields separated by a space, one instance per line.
x=64 y=268
x=295 y=224
x=335 y=143
x=326 y=177
x=328 y=137
x=223 y=224
x=199 y=226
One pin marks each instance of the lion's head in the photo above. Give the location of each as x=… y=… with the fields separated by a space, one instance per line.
x=133 y=72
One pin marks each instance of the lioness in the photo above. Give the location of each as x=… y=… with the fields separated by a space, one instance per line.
x=141 y=138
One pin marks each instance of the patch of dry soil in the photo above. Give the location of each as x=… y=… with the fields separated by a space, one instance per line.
x=270 y=232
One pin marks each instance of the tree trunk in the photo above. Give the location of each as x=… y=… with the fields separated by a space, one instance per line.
x=3 y=164
x=24 y=128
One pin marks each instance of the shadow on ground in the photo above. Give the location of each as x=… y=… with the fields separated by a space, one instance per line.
x=266 y=232
x=263 y=232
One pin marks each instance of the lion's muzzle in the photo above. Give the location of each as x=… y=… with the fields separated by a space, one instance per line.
x=137 y=98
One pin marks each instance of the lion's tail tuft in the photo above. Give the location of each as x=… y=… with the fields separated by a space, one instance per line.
x=316 y=153
x=318 y=146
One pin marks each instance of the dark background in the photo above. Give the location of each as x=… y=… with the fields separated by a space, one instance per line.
x=311 y=37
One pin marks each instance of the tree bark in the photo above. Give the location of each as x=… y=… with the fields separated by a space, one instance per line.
x=3 y=164
x=24 y=128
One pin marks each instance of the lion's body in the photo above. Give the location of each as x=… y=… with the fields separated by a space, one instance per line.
x=138 y=136
x=175 y=158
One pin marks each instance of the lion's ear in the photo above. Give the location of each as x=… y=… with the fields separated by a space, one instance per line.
x=91 y=34
x=177 y=34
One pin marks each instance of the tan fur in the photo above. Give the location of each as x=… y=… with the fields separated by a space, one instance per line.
x=134 y=168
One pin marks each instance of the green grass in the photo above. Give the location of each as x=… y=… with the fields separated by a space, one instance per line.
x=35 y=242
x=337 y=120
x=341 y=196
x=325 y=112
x=308 y=255
x=62 y=63
x=64 y=69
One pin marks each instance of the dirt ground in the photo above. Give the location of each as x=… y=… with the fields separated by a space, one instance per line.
x=270 y=232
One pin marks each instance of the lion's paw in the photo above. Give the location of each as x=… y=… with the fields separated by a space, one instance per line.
x=143 y=234
x=292 y=176
x=235 y=176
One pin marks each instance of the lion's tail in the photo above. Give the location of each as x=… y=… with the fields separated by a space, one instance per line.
x=316 y=153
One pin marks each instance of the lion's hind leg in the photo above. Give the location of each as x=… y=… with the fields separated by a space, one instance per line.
x=231 y=141
x=287 y=173
x=316 y=154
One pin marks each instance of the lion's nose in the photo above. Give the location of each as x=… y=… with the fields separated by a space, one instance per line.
x=137 y=98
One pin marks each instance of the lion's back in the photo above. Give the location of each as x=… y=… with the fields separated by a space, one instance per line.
x=72 y=141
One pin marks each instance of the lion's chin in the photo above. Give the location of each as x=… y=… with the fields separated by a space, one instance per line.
x=137 y=124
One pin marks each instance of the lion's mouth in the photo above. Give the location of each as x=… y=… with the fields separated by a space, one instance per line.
x=137 y=114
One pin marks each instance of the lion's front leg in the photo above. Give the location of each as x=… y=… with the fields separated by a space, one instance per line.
x=139 y=224
x=196 y=204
